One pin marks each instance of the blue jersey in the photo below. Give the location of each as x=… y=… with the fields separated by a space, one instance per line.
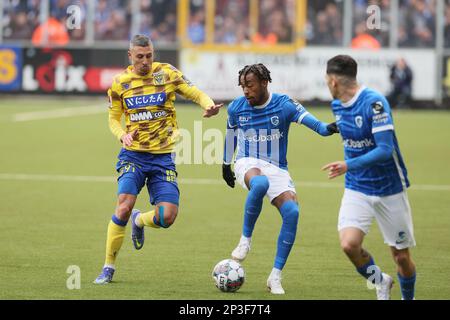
x=358 y=120
x=262 y=131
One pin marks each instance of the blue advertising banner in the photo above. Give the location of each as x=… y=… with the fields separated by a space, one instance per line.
x=10 y=68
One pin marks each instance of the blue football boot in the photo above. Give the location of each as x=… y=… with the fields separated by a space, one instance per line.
x=105 y=277
x=137 y=233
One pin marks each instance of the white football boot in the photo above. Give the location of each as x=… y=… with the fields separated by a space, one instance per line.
x=384 y=288
x=274 y=284
x=241 y=251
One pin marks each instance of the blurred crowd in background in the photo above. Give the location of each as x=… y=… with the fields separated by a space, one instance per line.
x=113 y=20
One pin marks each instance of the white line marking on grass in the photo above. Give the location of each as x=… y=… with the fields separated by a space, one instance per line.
x=59 y=113
x=191 y=181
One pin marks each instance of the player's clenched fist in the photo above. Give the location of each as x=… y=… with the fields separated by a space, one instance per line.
x=127 y=139
x=228 y=175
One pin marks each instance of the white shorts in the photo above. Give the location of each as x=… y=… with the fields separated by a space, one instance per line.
x=279 y=179
x=393 y=215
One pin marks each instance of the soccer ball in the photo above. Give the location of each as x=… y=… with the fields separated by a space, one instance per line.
x=228 y=275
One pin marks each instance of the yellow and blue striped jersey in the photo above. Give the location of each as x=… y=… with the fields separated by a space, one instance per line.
x=147 y=102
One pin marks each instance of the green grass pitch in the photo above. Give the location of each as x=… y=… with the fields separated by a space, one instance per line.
x=48 y=223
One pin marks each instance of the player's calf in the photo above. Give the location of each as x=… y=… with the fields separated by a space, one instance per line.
x=406 y=272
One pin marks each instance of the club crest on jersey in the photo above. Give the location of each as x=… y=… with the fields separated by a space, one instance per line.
x=125 y=86
x=377 y=107
x=359 y=121
x=275 y=120
x=158 y=78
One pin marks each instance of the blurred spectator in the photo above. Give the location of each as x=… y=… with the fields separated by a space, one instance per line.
x=196 y=28
x=275 y=24
x=20 y=18
x=51 y=32
x=20 y=29
x=324 y=25
x=401 y=80
x=417 y=23
x=447 y=25
x=364 y=40
x=231 y=21
x=111 y=20
x=158 y=20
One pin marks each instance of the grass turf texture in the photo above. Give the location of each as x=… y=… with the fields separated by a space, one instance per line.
x=48 y=225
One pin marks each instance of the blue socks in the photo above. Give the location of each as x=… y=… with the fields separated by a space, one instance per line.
x=371 y=271
x=407 y=286
x=289 y=212
x=258 y=188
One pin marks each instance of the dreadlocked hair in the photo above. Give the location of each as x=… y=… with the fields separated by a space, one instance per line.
x=259 y=70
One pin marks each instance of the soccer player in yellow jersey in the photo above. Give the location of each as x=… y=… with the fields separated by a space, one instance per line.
x=145 y=93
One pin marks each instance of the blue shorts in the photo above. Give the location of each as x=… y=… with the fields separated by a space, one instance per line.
x=156 y=170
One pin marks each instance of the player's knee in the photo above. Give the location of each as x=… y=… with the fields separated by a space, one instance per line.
x=350 y=247
x=259 y=185
x=166 y=216
x=290 y=212
x=124 y=210
x=402 y=258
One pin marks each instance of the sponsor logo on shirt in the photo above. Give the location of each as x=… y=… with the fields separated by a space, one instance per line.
x=146 y=100
x=243 y=119
x=358 y=144
x=263 y=138
x=298 y=105
x=377 y=107
x=147 y=115
x=380 y=118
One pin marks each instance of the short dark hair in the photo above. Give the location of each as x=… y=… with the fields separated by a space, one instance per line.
x=140 y=40
x=258 y=70
x=342 y=65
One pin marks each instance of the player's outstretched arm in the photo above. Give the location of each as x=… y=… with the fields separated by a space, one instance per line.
x=318 y=126
x=191 y=92
x=384 y=141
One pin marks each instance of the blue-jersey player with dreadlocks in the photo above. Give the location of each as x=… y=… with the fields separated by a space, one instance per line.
x=257 y=131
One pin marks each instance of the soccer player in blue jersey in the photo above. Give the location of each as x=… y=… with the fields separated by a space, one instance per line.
x=375 y=178
x=258 y=125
